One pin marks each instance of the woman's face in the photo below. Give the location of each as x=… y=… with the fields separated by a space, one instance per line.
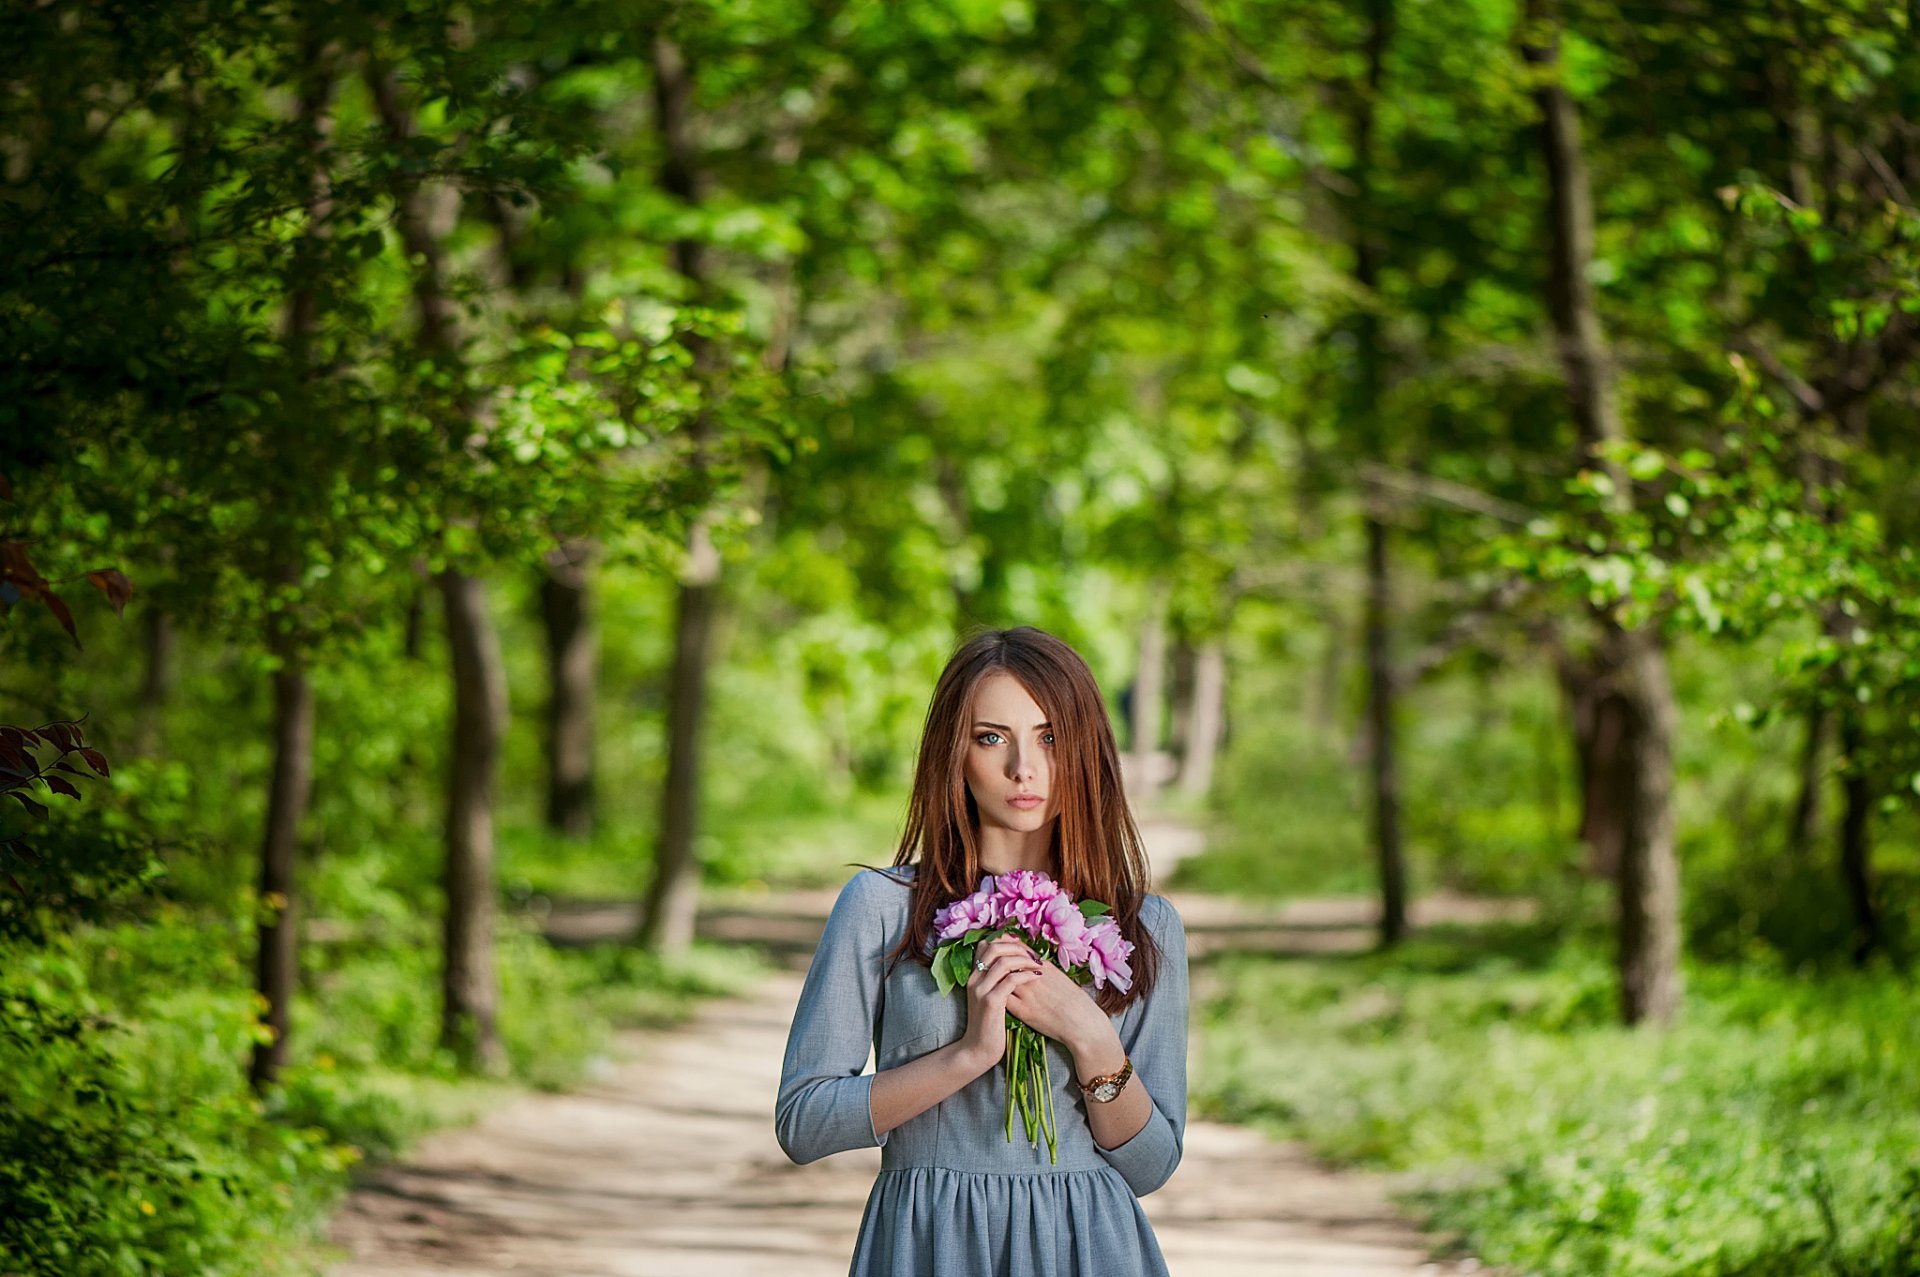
x=1010 y=756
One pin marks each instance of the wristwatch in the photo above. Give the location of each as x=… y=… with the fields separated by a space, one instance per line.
x=1104 y=1090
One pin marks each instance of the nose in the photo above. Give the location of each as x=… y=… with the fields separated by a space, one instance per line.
x=1019 y=763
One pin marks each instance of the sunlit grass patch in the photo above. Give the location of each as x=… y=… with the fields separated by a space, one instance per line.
x=1775 y=1130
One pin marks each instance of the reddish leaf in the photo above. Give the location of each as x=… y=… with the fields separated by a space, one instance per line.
x=96 y=760
x=13 y=756
x=114 y=584
x=59 y=733
x=16 y=566
x=28 y=803
x=60 y=613
x=61 y=785
x=16 y=884
x=6 y=489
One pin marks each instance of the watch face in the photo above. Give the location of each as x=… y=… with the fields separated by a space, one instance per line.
x=1106 y=1091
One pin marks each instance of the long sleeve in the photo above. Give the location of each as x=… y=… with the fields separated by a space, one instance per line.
x=1153 y=1032
x=824 y=1103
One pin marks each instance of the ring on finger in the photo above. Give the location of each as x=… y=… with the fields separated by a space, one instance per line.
x=979 y=964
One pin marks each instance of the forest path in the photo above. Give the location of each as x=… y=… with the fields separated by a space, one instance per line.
x=666 y=1166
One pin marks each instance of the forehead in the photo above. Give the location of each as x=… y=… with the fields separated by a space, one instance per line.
x=1002 y=698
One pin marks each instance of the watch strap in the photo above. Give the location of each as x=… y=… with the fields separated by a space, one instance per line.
x=1117 y=1080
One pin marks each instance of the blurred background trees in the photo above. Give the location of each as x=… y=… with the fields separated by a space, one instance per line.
x=555 y=447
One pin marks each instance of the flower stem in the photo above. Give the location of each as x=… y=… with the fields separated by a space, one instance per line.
x=1012 y=1058
x=1052 y=1122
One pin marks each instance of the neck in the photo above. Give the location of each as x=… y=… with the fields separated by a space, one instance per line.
x=1005 y=850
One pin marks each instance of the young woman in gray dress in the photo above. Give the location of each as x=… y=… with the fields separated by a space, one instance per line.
x=1017 y=769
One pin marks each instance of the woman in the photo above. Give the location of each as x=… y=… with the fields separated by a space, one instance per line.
x=1017 y=769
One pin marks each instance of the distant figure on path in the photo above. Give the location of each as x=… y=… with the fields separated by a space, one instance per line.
x=1017 y=769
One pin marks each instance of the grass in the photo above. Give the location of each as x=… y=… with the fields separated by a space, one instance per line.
x=133 y=1138
x=1775 y=1130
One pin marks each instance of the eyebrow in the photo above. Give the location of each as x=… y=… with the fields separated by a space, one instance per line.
x=1002 y=726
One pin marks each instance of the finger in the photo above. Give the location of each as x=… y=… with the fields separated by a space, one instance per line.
x=1017 y=983
x=1000 y=969
x=983 y=959
x=1003 y=964
x=1019 y=960
x=1009 y=984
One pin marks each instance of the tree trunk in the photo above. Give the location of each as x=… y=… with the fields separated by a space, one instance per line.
x=469 y=993
x=1382 y=752
x=1856 y=840
x=672 y=902
x=1206 y=724
x=1599 y=717
x=1649 y=955
x=276 y=956
x=156 y=680
x=573 y=660
x=1805 y=828
x=1180 y=698
x=1369 y=387
x=1149 y=696
x=469 y=998
x=414 y=624
x=290 y=792
x=667 y=919
x=1649 y=878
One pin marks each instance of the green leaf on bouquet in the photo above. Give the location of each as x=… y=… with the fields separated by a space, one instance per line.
x=942 y=971
x=960 y=965
x=1093 y=909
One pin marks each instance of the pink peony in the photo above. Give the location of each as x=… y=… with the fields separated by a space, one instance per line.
x=1107 y=954
x=1032 y=906
x=1064 y=927
x=981 y=909
x=1026 y=884
x=1018 y=912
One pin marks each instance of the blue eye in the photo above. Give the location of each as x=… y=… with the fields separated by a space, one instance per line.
x=982 y=737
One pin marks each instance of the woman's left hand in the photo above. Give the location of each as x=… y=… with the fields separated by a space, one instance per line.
x=1057 y=1007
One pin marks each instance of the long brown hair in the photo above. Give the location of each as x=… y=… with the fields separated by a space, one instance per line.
x=1096 y=845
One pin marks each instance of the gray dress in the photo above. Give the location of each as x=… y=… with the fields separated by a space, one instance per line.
x=954 y=1198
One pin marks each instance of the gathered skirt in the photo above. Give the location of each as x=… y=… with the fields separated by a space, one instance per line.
x=933 y=1221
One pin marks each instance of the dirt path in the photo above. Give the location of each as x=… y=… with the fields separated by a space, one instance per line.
x=667 y=1166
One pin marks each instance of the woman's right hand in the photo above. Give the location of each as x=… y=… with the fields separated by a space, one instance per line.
x=1009 y=965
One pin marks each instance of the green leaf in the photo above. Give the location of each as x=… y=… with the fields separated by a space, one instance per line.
x=962 y=959
x=1093 y=909
x=942 y=976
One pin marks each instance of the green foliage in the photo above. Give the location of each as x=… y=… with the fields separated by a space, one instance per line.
x=1288 y=819
x=130 y=1143
x=947 y=315
x=134 y=1145
x=70 y=862
x=1485 y=789
x=1772 y=1132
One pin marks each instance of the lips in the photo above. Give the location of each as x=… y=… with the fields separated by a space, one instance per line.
x=1026 y=802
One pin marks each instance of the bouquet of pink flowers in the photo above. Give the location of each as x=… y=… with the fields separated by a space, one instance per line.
x=1081 y=938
